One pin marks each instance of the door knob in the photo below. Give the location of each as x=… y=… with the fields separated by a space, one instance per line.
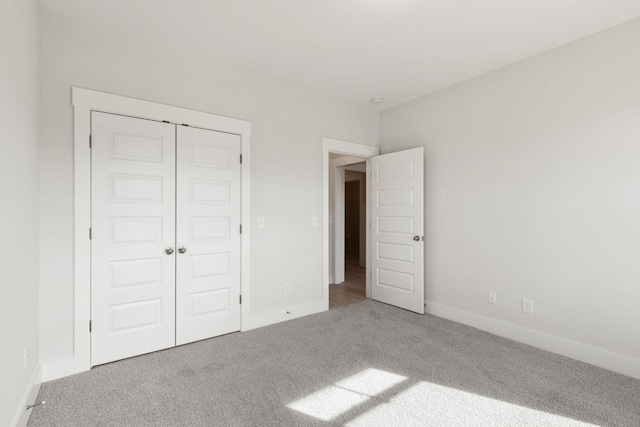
x=182 y=249
x=168 y=251
x=416 y=238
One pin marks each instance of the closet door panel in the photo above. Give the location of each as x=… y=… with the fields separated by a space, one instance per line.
x=133 y=222
x=208 y=235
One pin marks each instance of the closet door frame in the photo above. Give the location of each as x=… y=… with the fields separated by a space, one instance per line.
x=84 y=102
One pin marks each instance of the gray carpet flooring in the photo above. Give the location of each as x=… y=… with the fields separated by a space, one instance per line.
x=366 y=364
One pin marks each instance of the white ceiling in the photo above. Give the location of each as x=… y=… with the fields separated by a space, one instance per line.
x=356 y=50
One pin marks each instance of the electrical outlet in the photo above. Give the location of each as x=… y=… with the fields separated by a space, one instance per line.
x=260 y=222
x=492 y=298
x=527 y=305
x=287 y=288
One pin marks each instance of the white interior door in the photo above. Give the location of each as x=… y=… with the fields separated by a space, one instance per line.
x=133 y=224
x=208 y=238
x=397 y=246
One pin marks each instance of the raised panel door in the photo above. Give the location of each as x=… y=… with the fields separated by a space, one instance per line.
x=397 y=229
x=132 y=223
x=208 y=222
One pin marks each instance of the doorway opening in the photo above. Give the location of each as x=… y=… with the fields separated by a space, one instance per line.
x=336 y=154
x=394 y=261
x=347 y=282
x=353 y=230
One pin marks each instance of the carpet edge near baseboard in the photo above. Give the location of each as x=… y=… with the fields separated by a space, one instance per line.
x=602 y=358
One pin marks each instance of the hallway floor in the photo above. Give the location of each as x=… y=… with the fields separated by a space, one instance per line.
x=353 y=289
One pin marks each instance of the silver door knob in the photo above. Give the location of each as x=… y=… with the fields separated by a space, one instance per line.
x=168 y=251
x=416 y=238
x=182 y=249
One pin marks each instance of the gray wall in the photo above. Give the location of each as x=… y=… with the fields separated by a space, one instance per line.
x=288 y=123
x=19 y=210
x=533 y=190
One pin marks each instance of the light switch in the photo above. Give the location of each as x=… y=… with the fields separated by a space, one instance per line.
x=260 y=222
x=314 y=222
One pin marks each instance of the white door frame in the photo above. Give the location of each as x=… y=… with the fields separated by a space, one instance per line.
x=85 y=101
x=330 y=145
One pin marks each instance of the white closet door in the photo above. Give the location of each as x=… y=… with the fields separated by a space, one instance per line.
x=208 y=238
x=133 y=222
x=397 y=229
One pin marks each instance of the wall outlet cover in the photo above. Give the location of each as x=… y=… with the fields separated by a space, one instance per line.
x=492 y=298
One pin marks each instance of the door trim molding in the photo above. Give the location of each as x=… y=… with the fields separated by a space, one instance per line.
x=84 y=101
x=337 y=146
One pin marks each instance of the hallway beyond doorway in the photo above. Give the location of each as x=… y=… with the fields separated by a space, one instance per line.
x=353 y=289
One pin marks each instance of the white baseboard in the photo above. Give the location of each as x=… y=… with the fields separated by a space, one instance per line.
x=59 y=368
x=21 y=417
x=584 y=353
x=271 y=317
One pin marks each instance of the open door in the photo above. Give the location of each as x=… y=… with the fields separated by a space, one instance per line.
x=397 y=241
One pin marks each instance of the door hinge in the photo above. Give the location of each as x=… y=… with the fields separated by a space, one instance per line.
x=240 y=158
x=89 y=325
x=240 y=228
x=241 y=299
x=90 y=141
x=90 y=233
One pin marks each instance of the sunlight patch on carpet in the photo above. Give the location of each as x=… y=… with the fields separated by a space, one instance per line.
x=371 y=382
x=334 y=400
x=421 y=404
x=432 y=404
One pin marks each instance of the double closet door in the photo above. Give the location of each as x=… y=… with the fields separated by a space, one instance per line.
x=165 y=238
